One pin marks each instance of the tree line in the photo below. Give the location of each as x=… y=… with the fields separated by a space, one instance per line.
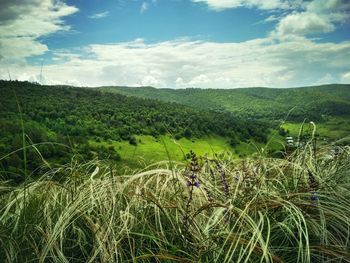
x=72 y=116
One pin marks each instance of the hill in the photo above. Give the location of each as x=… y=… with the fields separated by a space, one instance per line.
x=270 y=103
x=208 y=209
x=97 y=124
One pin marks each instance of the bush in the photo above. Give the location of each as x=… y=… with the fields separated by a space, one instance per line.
x=234 y=142
x=282 y=132
x=132 y=140
x=178 y=136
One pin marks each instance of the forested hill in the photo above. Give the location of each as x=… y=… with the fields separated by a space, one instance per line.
x=77 y=116
x=86 y=112
x=271 y=103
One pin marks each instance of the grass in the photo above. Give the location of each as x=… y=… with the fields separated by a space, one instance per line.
x=245 y=210
x=333 y=129
x=150 y=150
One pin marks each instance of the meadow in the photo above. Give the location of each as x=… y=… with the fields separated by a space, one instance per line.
x=150 y=150
x=206 y=210
x=334 y=129
x=91 y=176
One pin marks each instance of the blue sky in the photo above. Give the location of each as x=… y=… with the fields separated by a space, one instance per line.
x=176 y=43
x=161 y=21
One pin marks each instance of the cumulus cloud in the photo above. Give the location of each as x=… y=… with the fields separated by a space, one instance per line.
x=22 y=22
x=304 y=23
x=298 y=17
x=99 y=15
x=284 y=58
x=318 y=16
x=185 y=63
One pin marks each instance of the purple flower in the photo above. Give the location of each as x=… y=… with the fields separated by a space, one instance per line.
x=188 y=183
x=314 y=197
x=197 y=184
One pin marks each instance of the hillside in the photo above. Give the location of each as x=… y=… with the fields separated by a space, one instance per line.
x=312 y=102
x=59 y=203
x=95 y=124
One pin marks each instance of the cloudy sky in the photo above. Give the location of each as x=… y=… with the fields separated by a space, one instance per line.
x=176 y=43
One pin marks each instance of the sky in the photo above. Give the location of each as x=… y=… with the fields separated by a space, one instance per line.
x=176 y=43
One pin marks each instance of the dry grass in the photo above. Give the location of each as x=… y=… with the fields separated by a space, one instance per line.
x=253 y=210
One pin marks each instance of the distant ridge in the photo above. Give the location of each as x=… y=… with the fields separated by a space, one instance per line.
x=257 y=102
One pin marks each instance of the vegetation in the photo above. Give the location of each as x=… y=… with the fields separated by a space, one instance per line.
x=210 y=210
x=63 y=197
x=313 y=103
x=71 y=118
x=150 y=150
x=335 y=129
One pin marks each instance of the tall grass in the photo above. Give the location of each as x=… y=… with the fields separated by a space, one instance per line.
x=251 y=210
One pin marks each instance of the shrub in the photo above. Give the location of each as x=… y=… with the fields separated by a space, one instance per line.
x=132 y=140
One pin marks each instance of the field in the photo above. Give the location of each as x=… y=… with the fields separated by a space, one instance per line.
x=330 y=131
x=210 y=210
x=150 y=150
x=92 y=176
x=175 y=131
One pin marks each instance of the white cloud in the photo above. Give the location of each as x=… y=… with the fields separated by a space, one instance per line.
x=284 y=58
x=99 y=15
x=150 y=80
x=261 y=4
x=186 y=63
x=21 y=26
x=318 y=16
x=272 y=18
x=304 y=23
x=144 y=7
x=299 y=17
x=346 y=77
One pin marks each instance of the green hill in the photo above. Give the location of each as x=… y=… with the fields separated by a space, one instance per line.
x=108 y=126
x=148 y=124
x=313 y=102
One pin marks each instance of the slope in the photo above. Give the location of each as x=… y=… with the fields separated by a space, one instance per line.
x=311 y=102
x=96 y=124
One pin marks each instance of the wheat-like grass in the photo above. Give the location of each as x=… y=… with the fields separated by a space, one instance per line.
x=277 y=210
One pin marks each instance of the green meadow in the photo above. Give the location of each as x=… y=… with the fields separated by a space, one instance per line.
x=174 y=131
x=91 y=176
x=329 y=131
x=150 y=150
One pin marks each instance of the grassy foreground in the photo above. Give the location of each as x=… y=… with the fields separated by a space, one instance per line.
x=211 y=210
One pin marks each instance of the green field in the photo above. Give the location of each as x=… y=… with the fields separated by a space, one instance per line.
x=136 y=131
x=89 y=176
x=332 y=130
x=149 y=149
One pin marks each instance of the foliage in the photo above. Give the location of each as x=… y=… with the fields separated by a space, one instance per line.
x=215 y=208
x=72 y=117
x=249 y=210
x=313 y=103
